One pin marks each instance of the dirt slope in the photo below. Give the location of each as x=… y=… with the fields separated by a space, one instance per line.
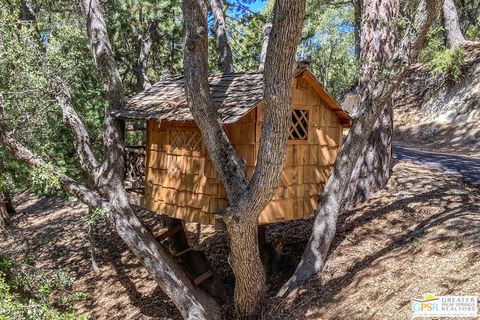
x=436 y=112
x=421 y=234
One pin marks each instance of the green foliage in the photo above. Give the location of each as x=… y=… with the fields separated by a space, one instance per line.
x=438 y=58
x=31 y=55
x=130 y=19
x=473 y=32
x=96 y=215
x=27 y=293
x=469 y=16
x=43 y=181
x=449 y=61
x=329 y=43
x=246 y=37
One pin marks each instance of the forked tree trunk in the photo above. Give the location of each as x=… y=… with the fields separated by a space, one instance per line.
x=452 y=25
x=224 y=52
x=247 y=199
x=376 y=88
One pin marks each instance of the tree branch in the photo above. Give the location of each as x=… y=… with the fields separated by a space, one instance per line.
x=145 y=42
x=74 y=124
x=224 y=52
x=113 y=129
x=279 y=68
x=267 y=29
x=230 y=167
x=24 y=155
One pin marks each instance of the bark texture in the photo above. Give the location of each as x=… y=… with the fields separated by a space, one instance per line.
x=357 y=24
x=267 y=29
x=145 y=44
x=373 y=168
x=224 y=51
x=378 y=86
x=4 y=214
x=452 y=25
x=247 y=198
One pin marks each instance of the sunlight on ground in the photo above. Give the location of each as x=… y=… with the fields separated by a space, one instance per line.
x=420 y=235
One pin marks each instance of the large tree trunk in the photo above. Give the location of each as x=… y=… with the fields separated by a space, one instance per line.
x=374 y=167
x=452 y=25
x=224 y=52
x=247 y=198
x=377 y=85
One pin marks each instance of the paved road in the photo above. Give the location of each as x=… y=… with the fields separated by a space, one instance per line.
x=466 y=168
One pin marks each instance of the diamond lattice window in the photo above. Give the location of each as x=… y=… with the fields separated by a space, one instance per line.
x=185 y=140
x=299 y=128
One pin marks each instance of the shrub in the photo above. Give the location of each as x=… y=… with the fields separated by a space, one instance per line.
x=473 y=33
x=43 y=182
x=449 y=61
x=438 y=58
x=26 y=293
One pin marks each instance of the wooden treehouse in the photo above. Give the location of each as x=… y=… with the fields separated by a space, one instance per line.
x=181 y=181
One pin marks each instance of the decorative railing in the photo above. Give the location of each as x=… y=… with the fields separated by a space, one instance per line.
x=135 y=168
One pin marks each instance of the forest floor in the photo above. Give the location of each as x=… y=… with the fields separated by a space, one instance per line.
x=421 y=234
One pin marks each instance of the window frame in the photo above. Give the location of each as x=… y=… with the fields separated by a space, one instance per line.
x=308 y=109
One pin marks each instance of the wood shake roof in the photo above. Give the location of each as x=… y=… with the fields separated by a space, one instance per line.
x=234 y=95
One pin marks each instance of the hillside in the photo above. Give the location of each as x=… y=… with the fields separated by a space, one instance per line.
x=419 y=235
x=437 y=113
